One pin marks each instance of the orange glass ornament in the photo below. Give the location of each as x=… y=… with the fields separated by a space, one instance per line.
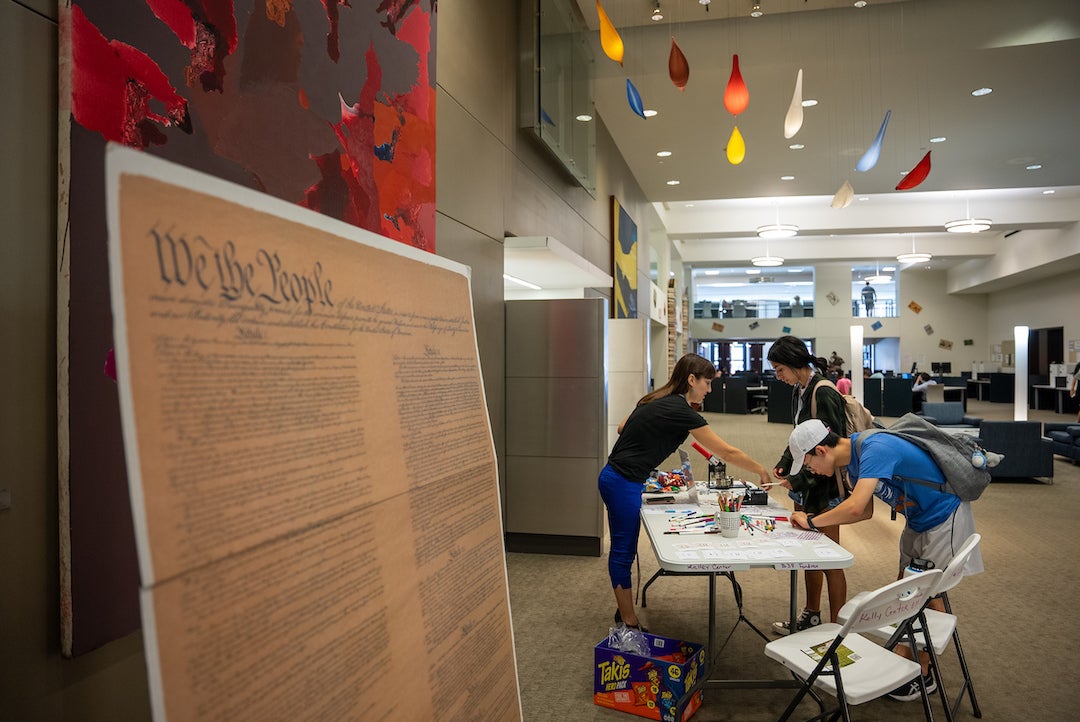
x=678 y=67
x=737 y=95
x=610 y=40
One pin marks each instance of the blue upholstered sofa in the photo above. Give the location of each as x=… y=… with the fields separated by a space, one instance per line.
x=949 y=414
x=1027 y=453
x=1064 y=439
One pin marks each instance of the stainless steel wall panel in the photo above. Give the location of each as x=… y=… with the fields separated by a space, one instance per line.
x=554 y=496
x=553 y=417
x=555 y=338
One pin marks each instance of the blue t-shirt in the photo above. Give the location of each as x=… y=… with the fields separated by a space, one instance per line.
x=885 y=457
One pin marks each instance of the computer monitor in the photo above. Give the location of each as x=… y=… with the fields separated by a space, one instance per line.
x=935 y=368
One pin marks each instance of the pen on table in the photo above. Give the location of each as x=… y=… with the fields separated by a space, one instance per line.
x=693 y=531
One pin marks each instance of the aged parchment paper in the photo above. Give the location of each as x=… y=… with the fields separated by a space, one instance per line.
x=312 y=472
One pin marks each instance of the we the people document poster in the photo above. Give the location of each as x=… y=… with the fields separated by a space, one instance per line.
x=302 y=408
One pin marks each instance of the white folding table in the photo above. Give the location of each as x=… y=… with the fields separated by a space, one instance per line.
x=785 y=549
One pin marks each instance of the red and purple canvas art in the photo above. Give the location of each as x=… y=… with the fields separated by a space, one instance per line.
x=329 y=105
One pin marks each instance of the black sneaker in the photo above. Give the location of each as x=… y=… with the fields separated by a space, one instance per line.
x=806 y=620
x=619 y=621
x=912 y=690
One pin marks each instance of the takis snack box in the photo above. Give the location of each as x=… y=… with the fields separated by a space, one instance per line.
x=649 y=686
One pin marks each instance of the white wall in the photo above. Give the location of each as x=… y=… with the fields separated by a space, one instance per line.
x=1043 y=304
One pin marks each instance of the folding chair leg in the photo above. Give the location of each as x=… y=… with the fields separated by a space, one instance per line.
x=968 y=685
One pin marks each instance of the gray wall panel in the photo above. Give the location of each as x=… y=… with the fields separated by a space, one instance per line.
x=554 y=496
x=555 y=338
x=553 y=417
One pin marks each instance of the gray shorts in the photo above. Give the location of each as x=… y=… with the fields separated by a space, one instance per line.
x=942 y=542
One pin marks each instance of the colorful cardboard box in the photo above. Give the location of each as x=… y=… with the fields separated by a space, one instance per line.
x=649 y=686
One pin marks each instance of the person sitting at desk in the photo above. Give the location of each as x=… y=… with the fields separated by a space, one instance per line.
x=918 y=390
x=653 y=431
x=810 y=399
x=937 y=522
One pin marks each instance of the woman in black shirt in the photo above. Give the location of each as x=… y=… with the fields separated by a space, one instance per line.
x=652 y=432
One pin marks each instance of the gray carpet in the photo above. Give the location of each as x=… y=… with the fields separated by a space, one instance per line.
x=1017 y=619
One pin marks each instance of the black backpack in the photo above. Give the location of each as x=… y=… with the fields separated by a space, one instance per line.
x=955 y=454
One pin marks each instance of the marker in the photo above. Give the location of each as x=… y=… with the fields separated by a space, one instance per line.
x=694 y=531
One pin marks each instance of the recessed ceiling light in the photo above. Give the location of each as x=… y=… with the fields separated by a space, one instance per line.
x=1048 y=193
x=860 y=3
x=903 y=172
x=753 y=271
x=787 y=177
x=689 y=205
x=938 y=139
x=888 y=269
x=864 y=198
x=584 y=117
x=796 y=146
x=649 y=113
x=794 y=270
x=1034 y=166
x=673 y=182
x=712 y=272
x=979 y=92
x=809 y=103
x=663 y=153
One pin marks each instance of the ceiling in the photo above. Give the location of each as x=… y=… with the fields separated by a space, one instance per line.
x=918 y=58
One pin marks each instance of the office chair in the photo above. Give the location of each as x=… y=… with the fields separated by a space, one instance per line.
x=851 y=667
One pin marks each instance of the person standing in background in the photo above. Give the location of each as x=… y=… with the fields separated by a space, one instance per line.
x=1075 y=384
x=869 y=295
x=656 y=427
x=797 y=367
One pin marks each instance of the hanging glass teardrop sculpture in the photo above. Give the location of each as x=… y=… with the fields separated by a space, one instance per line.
x=844 y=195
x=736 y=147
x=916 y=175
x=870 y=157
x=678 y=67
x=736 y=95
x=610 y=40
x=634 y=98
x=794 y=118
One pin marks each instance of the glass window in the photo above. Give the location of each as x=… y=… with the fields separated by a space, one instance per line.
x=874 y=291
x=749 y=292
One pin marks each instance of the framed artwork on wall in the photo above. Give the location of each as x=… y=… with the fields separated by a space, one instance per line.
x=324 y=105
x=625 y=245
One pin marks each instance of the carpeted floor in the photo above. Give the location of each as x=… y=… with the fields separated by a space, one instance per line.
x=1017 y=620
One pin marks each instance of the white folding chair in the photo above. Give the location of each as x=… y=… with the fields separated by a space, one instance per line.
x=850 y=667
x=934 y=629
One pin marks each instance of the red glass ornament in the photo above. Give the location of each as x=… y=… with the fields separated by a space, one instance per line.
x=916 y=175
x=678 y=68
x=737 y=95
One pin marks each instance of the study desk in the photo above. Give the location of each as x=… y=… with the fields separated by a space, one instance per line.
x=1042 y=391
x=784 y=549
x=979 y=388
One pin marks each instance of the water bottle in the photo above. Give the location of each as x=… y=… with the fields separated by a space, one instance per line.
x=917 y=566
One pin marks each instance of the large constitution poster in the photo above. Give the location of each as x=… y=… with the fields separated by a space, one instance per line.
x=312 y=473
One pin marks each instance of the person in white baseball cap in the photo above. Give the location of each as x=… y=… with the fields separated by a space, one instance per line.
x=803 y=440
x=887 y=466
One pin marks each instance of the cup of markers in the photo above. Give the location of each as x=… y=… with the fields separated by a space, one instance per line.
x=729 y=516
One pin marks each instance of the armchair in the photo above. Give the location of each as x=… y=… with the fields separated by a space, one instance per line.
x=949 y=415
x=1064 y=439
x=1027 y=453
